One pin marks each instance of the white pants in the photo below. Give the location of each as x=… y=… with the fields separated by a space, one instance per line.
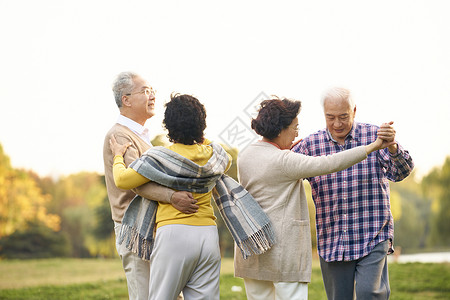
x=137 y=270
x=269 y=290
x=185 y=258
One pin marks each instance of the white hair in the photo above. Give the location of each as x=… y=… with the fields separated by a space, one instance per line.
x=123 y=84
x=338 y=93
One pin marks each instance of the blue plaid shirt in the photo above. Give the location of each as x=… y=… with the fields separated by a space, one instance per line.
x=353 y=212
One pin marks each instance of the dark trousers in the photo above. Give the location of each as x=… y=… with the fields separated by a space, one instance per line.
x=365 y=278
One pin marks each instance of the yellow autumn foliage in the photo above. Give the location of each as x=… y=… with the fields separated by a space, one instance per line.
x=21 y=200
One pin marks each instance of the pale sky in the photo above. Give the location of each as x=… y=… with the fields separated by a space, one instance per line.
x=59 y=58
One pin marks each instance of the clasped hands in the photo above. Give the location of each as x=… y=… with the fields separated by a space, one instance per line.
x=387 y=134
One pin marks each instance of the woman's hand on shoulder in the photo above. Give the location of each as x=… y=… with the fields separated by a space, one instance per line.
x=116 y=148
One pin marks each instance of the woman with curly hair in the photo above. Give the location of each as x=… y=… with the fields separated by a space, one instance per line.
x=185 y=255
x=273 y=175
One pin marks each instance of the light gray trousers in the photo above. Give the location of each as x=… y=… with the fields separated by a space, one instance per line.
x=365 y=278
x=185 y=258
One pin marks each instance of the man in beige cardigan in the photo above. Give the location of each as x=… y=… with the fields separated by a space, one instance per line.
x=136 y=101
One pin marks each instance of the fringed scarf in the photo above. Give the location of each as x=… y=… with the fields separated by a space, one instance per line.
x=249 y=226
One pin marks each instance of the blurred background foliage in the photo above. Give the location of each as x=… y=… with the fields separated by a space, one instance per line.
x=70 y=216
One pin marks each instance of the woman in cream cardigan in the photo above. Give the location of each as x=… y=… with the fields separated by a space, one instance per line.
x=273 y=175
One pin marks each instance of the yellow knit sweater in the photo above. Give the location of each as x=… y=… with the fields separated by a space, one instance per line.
x=127 y=178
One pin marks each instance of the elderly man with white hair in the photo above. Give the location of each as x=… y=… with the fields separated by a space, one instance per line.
x=355 y=227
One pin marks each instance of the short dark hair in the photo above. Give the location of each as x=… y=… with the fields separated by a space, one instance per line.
x=275 y=115
x=185 y=119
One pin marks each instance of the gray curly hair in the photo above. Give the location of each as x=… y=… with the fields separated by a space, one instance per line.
x=123 y=84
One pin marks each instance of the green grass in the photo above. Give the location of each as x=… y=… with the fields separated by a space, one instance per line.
x=42 y=272
x=104 y=279
x=419 y=281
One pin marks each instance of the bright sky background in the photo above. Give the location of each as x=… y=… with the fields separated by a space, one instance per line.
x=58 y=60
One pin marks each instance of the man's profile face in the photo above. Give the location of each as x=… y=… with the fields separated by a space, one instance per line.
x=142 y=104
x=339 y=118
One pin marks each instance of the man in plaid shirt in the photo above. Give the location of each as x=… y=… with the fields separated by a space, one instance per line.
x=354 y=223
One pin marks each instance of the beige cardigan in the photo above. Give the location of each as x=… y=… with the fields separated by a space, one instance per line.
x=120 y=199
x=274 y=178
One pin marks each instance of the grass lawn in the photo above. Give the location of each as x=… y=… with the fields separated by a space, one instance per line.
x=104 y=279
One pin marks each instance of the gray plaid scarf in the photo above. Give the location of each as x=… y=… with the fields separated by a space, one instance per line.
x=249 y=226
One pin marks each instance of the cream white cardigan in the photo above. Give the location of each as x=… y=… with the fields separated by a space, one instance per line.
x=274 y=178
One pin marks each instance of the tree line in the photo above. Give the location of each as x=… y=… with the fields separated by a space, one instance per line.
x=70 y=216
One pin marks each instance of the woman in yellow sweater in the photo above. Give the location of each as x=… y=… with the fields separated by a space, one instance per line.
x=186 y=255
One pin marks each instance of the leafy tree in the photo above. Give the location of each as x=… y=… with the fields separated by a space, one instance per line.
x=76 y=223
x=103 y=228
x=412 y=225
x=35 y=240
x=78 y=198
x=21 y=200
x=436 y=186
x=396 y=204
x=103 y=232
